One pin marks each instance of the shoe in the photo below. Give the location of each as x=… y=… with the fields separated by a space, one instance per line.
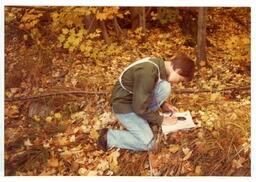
x=102 y=141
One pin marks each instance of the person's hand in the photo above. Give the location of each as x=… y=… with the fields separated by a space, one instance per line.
x=168 y=107
x=169 y=120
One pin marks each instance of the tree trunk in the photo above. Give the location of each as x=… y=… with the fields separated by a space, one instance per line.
x=135 y=12
x=90 y=23
x=138 y=17
x=104 y=32
x=117 y=28
x=93 y=23
x=201 y=38
x=143 y=20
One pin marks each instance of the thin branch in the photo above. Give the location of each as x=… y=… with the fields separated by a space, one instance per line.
x=92 y=23
x=105 y=32
x=79 y=92
x=22 y=98
x=40 y=8
x=117 y=26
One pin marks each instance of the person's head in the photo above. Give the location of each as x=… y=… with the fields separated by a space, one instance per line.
x=180 y=69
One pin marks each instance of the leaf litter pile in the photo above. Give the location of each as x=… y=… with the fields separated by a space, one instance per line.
x=57 y=135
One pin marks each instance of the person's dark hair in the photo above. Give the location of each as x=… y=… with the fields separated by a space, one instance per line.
x=185 y=65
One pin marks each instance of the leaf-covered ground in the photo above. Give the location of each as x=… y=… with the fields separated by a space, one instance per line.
x=57 y=135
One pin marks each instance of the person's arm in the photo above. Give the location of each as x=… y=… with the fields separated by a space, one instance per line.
x=166 y=107
x=144 y=82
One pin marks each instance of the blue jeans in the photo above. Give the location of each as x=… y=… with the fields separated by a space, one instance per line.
x=138 y=135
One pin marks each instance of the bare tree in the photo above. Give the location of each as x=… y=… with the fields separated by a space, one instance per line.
x=201 y=38
x=143 y=20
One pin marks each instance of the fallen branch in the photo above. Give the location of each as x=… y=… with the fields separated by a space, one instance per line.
x=189 y=90
x=79 y=92
x=23 y=98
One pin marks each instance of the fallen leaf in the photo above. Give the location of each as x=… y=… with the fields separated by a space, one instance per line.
x=103 y=165
x=238 y=163
x=62 y=141
x=74 y=81
x=106 y=118
x=36 y=118
x=79 y=116
x=27 y=143
x=57 y=116
x=13 y=90
x=53 y=162
x=92 y=173
x=82 y=171
x=174 y=148
x=112 y=159
x=246 y=147
x=74 y=166
x=198 y=170
x=187 y=153
x=12 y=111
x=48 y=119
x=85 y=129
x=94 y=134
x=46 y=145
x=8 y=94
x=72 y=138
x=200 y=135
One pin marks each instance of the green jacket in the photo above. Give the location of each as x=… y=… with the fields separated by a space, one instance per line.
x=141 y=80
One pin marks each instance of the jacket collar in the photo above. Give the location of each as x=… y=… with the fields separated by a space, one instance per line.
x=160 y=63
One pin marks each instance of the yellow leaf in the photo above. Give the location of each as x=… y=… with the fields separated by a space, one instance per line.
x=8 y=94
x=65 y=31
x=103 y=165
x=112 y=159
x=53 y=162
x=82 y=47
x=72 y=138
x=195 y=97
x=85 y=129
x=187 y=153
x=57 y=116
x=185 y=150
x=246 y=147
x=92 y=173
x=62 y=38
x=82 y=171
x=246 y=40
x=174 y=148
x=94 y=134
x=236 y=164
x=198 y=170
x=48 y=119
x=66 y=44
x=233 y=116
x=62 y=141
x=12 y=111
x=214 y=96
x=36 y=118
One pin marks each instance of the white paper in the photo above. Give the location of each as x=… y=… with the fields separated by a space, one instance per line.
x=180 y=125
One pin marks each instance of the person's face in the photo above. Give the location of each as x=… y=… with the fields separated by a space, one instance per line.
x=174 y=76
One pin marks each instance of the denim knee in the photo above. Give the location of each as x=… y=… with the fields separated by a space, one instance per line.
x=150 y=145
x=148 y=141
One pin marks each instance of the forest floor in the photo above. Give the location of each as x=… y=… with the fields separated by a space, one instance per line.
x=57 y=135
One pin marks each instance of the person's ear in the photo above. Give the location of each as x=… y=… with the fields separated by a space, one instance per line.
x=171 y=68
x=178 y=71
